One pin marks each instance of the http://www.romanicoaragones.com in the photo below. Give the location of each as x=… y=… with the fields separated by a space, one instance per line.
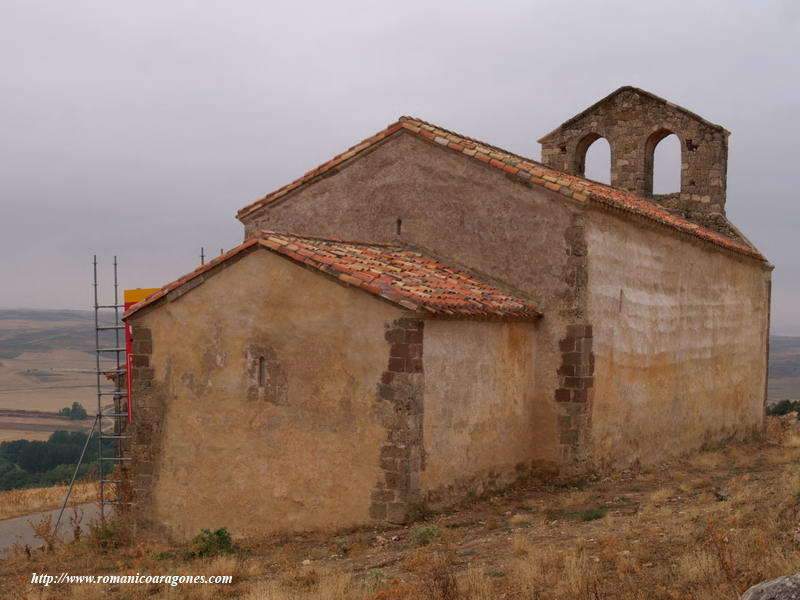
x=172 y=580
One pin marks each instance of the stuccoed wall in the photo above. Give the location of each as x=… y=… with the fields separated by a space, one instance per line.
x=474 y=215
x=680 y=334
x=362 y=411
x=213 y=450
x=480 y=426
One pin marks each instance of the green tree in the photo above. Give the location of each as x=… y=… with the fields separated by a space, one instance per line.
x=16 y=478
x=77 y=412
x=59 y=437
x=12 y=450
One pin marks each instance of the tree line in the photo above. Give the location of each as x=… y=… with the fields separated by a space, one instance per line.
x=26 y=463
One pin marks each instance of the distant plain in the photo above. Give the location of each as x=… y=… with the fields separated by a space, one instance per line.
x=47 y=362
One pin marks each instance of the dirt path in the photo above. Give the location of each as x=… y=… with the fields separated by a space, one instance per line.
x=18 y=528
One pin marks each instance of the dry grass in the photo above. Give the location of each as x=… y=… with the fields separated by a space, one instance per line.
x=9 y=435
x=310 y=584
x=665 y=535
x=521 y=519
x=14 y=503
x=661 y=495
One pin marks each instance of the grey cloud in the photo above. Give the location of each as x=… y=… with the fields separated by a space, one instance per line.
x=140 y=128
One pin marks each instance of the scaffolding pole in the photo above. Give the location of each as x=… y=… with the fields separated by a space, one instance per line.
x=117 y=394
x=99 y=416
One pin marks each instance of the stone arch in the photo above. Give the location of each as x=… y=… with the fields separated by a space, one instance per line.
x=634 y=121
x=650 y=145
x=582 y=148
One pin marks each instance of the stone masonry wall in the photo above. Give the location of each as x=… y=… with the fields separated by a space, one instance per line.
x=400 y=406
x=634 y=122
x=145 y=429
x=574 y=393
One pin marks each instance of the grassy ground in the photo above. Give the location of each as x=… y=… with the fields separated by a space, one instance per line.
x=14 y=503
x=706 y=527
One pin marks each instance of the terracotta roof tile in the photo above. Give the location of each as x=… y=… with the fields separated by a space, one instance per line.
x=572 y=186
x=398 y=274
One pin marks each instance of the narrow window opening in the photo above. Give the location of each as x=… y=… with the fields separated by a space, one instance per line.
x=399 y=226
x=597 y=161
x=667 y=166
x=262 y=371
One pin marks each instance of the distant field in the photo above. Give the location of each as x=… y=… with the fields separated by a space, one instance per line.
x=39 y=331
x=47 y=358
x=32 y=425
x=7 y=435
x=784 y=368
x=48 y=380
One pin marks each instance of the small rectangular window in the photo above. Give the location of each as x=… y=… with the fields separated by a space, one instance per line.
x=262 y=371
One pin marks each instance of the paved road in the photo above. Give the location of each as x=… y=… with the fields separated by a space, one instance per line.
x=12 y=530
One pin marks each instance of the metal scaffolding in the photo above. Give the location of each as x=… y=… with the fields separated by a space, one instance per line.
x=115 y=387
x=117 y=412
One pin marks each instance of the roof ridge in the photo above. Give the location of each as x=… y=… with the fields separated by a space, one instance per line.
x=572 y=186
x=471 y=139
x=404 y=277
x=533 y=162
x=322 y=238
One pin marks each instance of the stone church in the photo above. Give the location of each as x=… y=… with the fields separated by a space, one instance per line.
x=426 y=318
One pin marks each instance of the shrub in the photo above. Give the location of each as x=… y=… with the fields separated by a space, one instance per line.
x=587 y=514
x=590 y=514
x=342 y=544
x=422 y=535
x=436 y=571
x=107 y=535
x=212 y=543
x=783 y=407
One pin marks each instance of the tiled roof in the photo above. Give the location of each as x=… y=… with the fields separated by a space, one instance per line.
x=571 y=186
x=400 y=275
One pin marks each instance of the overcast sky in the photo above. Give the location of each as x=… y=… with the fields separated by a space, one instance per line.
x=139 y=128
